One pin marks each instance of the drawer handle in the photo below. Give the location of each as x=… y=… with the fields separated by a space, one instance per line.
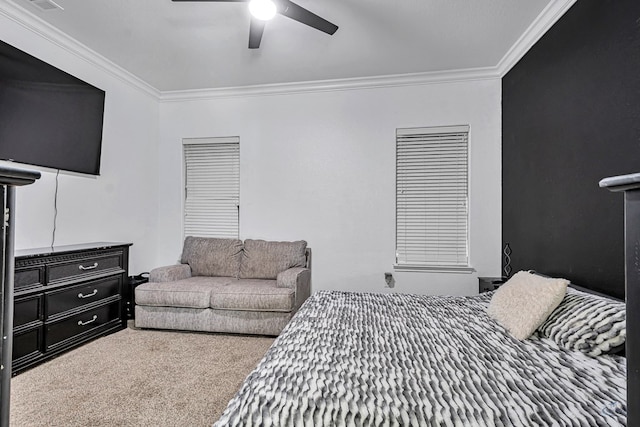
x=80 y=295
x=81 y=323
x=91 y=267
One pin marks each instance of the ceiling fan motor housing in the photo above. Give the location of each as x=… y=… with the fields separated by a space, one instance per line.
x=266 y=9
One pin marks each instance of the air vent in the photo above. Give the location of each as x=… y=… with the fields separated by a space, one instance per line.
x=46 y=4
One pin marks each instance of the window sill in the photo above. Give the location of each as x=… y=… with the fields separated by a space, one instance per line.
x=432 y=268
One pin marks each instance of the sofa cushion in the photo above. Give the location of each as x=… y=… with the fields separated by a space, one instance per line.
x=212 y=257
x=194 y=292
x=253 y=294
x=264 y=260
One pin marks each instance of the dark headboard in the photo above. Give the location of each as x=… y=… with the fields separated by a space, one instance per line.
x=581 y=288
x=590 y=291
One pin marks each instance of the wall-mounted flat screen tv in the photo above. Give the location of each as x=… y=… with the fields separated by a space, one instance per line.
x=48 y=117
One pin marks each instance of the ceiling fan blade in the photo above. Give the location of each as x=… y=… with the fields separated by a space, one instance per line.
x=300 y=14
x=255 y=32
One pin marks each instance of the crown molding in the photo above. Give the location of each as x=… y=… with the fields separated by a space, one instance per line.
x=545 y=20
x=31 y=22
x=356 y=83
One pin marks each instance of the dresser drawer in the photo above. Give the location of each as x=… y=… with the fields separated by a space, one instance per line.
x=81 y=324
x=26 y=344
x=85 y=267
x=74 y=297
x=27 y=310
x=28 y=278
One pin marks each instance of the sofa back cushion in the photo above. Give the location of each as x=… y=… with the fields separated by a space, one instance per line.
x=212 y=257
x=264 y=260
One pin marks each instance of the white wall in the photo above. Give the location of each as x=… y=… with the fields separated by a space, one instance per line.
x=321 y=167
x=120 y=204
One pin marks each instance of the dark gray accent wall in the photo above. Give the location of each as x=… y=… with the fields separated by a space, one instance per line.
x=571 y=116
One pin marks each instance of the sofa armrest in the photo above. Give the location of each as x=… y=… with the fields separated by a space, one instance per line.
x=170 y=273
x=298 y=279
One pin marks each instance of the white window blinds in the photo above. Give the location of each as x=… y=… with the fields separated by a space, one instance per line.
x=212 y=187
x=432 y=197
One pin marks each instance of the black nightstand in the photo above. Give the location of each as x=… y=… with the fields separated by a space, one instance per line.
x=487 y=284
x=129 y=297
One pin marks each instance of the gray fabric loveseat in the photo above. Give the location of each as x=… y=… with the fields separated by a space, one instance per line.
x=225 y=285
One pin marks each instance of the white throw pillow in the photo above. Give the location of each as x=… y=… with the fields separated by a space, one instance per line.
x=525 y=301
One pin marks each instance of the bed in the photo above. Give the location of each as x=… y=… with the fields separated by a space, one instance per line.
x=358 y=359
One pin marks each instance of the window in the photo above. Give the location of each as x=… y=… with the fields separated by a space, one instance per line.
x=212 y=187
x=432 y=198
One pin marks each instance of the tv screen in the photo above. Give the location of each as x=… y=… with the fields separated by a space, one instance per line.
x=48 y=117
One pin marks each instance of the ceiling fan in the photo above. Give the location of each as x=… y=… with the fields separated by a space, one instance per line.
x=264 y=10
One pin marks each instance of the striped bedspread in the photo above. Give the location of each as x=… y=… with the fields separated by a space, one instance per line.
x=353 y=359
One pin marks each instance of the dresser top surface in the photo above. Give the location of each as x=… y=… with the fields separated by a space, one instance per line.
x=57 y=250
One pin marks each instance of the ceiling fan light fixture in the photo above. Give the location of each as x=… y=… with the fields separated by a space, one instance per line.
x=262 y=9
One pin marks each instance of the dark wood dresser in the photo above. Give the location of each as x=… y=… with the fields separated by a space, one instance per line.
x=65 y=296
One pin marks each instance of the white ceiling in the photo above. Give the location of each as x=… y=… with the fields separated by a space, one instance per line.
x=198 y=45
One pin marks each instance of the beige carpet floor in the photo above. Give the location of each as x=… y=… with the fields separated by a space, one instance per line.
x=137 y=378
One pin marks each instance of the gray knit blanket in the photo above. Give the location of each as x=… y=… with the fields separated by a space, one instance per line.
x=354 y=359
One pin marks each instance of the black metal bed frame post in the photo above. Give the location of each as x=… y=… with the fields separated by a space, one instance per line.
x=9 y=178
x=3 y=304
x=630 y=184
x=7 y=302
